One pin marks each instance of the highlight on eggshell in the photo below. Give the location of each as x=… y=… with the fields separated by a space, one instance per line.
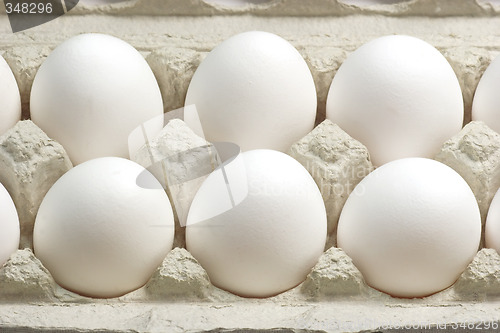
x=104 y=227
x=91 y=92
x=10 y=99
x=492 y=228
x=486 y=102
x=269 y=241
x=398 y=96
x=9 y=226
x=411 y=227
x=256 y=90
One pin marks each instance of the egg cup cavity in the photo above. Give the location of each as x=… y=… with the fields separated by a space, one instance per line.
x=264 y=96
x=82 y=97
x=9 y=226
x=106 y=238
x=388 y=94
x=234 y=194
x=10 y=99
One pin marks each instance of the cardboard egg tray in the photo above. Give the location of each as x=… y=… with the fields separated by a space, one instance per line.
x=174 y=37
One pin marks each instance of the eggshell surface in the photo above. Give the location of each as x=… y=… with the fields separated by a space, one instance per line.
x=10 y=100
x=104 y=227
x=91 y=92
x=492 y=228
x=398 y=96
x=486 y=103
x=9 y=226
x=411 y=227
x=270 y=241
x=255 y=90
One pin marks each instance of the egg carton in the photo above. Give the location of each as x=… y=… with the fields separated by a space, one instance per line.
x=291 y=7
x=174 y=37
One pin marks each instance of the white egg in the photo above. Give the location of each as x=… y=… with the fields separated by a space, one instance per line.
x=397 y=95
x=104 y=227
x=492 y=228
x=91 y=92
x=270 y=241
x=486 y=103
x=411 y=227
x=10 y=100
x=256 y=90
x=9 y=226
